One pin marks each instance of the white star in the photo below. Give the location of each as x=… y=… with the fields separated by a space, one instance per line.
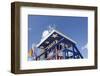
x=47 y=42
x=41 y=47
x=54 y=35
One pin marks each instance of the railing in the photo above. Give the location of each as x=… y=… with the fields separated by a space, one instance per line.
x=46 y=50
x=75 y=55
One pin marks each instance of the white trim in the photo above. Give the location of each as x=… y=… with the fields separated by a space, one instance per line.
x=51 y=34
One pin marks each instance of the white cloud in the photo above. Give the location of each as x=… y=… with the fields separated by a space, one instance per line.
x=85 y=47
x=33 y=46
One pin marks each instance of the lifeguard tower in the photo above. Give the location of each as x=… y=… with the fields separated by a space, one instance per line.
x=55 y=45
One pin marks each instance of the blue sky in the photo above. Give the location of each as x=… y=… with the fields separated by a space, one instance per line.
x=74 y=27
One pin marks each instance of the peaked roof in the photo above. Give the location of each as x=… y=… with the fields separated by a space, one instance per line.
x=46 y=37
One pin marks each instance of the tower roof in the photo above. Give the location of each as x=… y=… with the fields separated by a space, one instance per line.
x=53 y=35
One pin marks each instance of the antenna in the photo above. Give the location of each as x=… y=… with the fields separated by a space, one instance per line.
x=54 y=26
x=51 y=27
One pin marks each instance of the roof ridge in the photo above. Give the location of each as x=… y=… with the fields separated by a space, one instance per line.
x=54 y=30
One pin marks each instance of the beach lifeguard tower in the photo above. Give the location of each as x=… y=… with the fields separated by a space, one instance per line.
x=55 y=45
